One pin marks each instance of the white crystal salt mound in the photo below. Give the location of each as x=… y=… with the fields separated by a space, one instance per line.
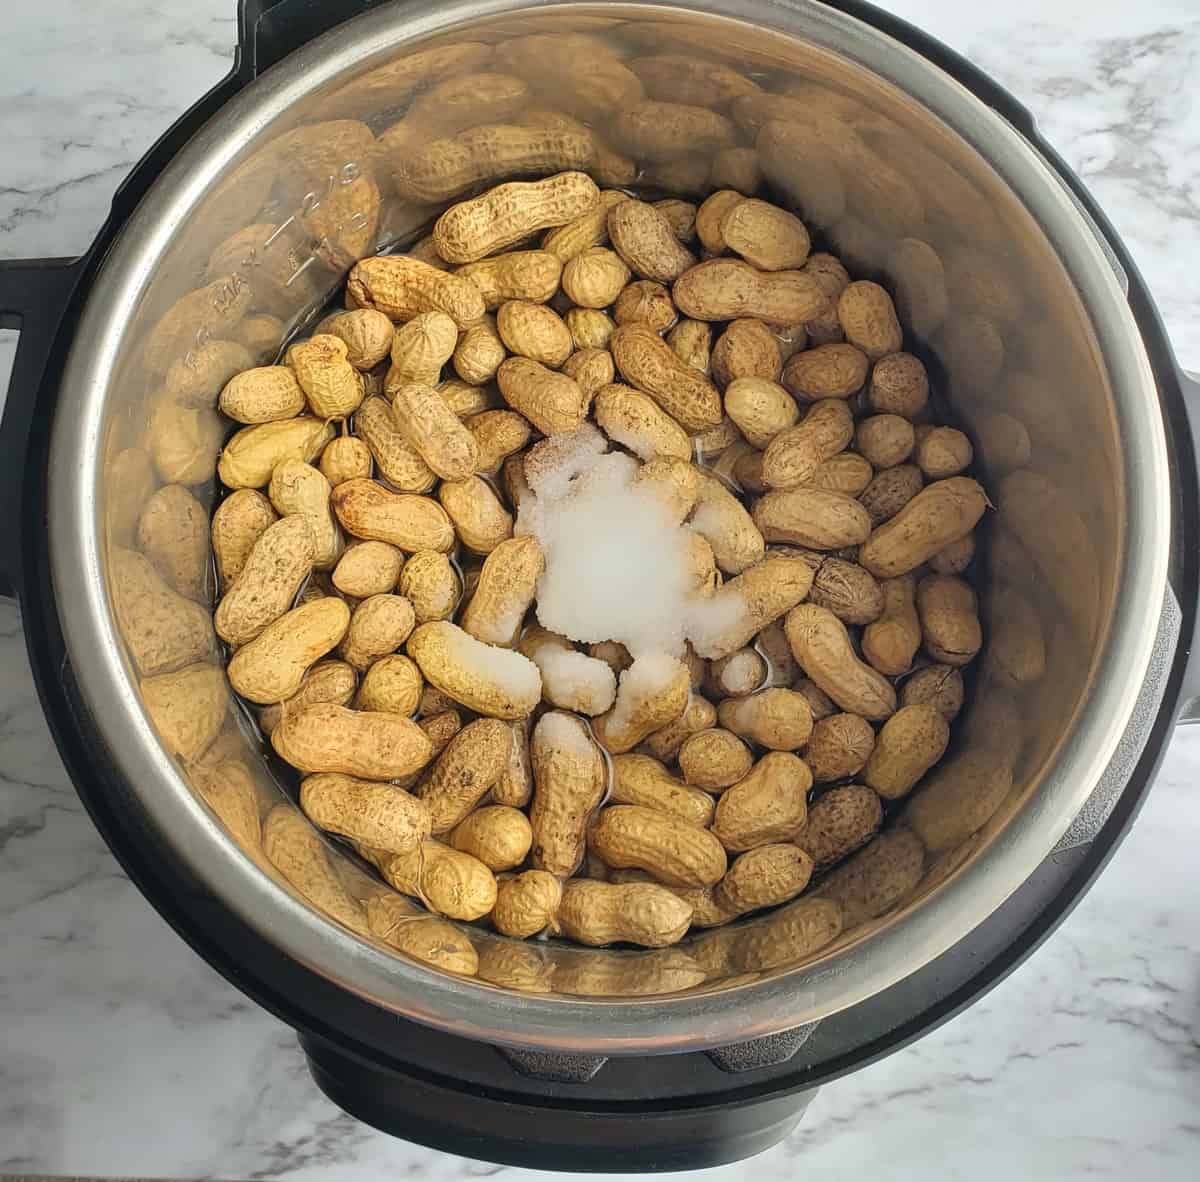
x=516 y=674
x=649 y=675
x=562 y=732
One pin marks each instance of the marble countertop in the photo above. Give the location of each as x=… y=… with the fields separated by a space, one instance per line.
x=122 y=1053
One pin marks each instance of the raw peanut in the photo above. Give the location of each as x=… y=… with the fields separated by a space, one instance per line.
x=271 y=667
x=449 y=882
x=649 y=696
x=445 y=168
x=505 y=591
x=711 y=216
x=185 y=441
x=812 y=517
x=439 y=729
x=748 y=603
x=419 y=350
x=703 y=577
x=187 y=708
x=818 y=700
x=431 y=584
x=794 y=456
x=939 y=685
x=465 y=772
x=590 y=330
x=681 y=215
x=736 y=168
x=828 y=371
x=324 y=737
x=726 y=289
x=839 y=746
x=877 y=878
x=367 y=335
x=433 y=701
x=840 y=822
x=787 y=937
x=594 y=277
x=692 y=341
x=760 y=408
x=398 y=461
x=665 y=744
x=474 y=229
x=765 y=877
x=298 y=489
x=642 y=780
x=891 y=641
x=173 y=534
x=333 y=387
x=203 y=313
x=527 y=903
x=683 y=78
x=769 y=805
x=345 y=458
x=296 y=851
x=589 y=229
x=592 y=369
x=850 y=592
x=272 y=574
x=229 y=790
x=738 y=674
x=646 y=974
x=369 y=511
x=711 y=443
x=488 y=680
x=822 y=647
x=637 y=422
x=534 y=331
x=481 y=522
x=599 y=913
x=379 y=625
x=778 y=719
x=368 y=568
x=958 y=799
x=551 y=401
x=379 y=815
x=570 y=779
x=261 y=335
x=327 y=681
x=392 y=685
x=944 y=452
x=1004 y=443
x=899 y=386
x=250 y=457
x=1016 y=653
x=642 y=236
x=869 y=320
x=515 y=786
x=423 y=937
x=263 y=395
x=955 y=558
x=401 y=288
x=886 y=440
x=949 y=614
x=847 y=473
x=675 y=852
x=479 y=353
x=746 y=349
x=663 y=131
x=714 y=759
x=766 y=236
x=435 y=431
x=650 y=365
x=498 y=434
x=908 y=745
x=498 y=836
x=793 y=158
x=889 y=491
x=645 y=302
x=197 y=378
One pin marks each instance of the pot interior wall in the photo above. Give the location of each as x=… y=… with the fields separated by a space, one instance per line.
x=893 y=191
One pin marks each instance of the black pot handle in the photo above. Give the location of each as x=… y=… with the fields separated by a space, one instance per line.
x=268 y=30
x=1190 y=694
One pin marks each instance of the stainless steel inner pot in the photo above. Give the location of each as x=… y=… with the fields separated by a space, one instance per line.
x=1003 y=286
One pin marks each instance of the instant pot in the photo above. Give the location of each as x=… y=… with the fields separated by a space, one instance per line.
x=240 y=225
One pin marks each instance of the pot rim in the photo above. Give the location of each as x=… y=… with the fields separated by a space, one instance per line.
x=623 y=1026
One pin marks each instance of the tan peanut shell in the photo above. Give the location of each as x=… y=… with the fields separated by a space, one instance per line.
x=570 y=779
x=527 y=903
x=836 y=370
x=435 y=432
x=908 y=745
x=886 y=440
x=768 y=805
x=869 y=320
x=666 y=743
x=367 y=568
x=326 y=681
x=184 y=441
x=766 y=236
x=498 y=434
x=587 y=230
x=420 y=349
x=890 y=642
x=262 y=395
x=187 y=708
x=497 y=835
x=595 y=277
x=650 y=365
x=645 y=302
x=172 y=533
x=714 y=759
x=534 y=331
x=899 y=386
x=198 y=377
x=590 y=331
x=592 y=369
x=271 y=667
x=505 y=591
x=551 y=401
x=399 y=463
x=847 y=473
x=949 y=615
x=642 y=707
x=889 y=491
x=840 y=822
x=710 y=217
x=477 y=675
x=480 y=520
x=793 y=457
x=728 y=528
x=776 y=718
x=764 y=877
x=479 y=354
x=813 y=518
x=681 y=215
x=228 y=788
x=379 y=815
x=369 y=511
x=746 y=349
x=759 y=595
x=640 y=424
x=298 y=489
x=727 y=289
x=876 y=878
x=643 y=780
x=366 y=333
x=465 y=772
x=761 y=409
x=379 y=625
x=839 y=746
x=401 y=288
x=955 y=558
x=851 y=593
x=332 y=386
x=250 y=457
x=822 y=647
x=449 y=882
x=738 y=674
x=372 y=745
x=392 y=684
x=599 y=913
x=345 y=458
x=938 y=515
x=431 y=584
x=642 y=236
x=939 y=685
x=675 y=852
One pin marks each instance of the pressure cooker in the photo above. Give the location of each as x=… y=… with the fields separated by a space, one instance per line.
x=680 y=1057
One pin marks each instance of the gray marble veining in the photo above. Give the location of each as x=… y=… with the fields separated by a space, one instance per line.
x=122 y=1053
